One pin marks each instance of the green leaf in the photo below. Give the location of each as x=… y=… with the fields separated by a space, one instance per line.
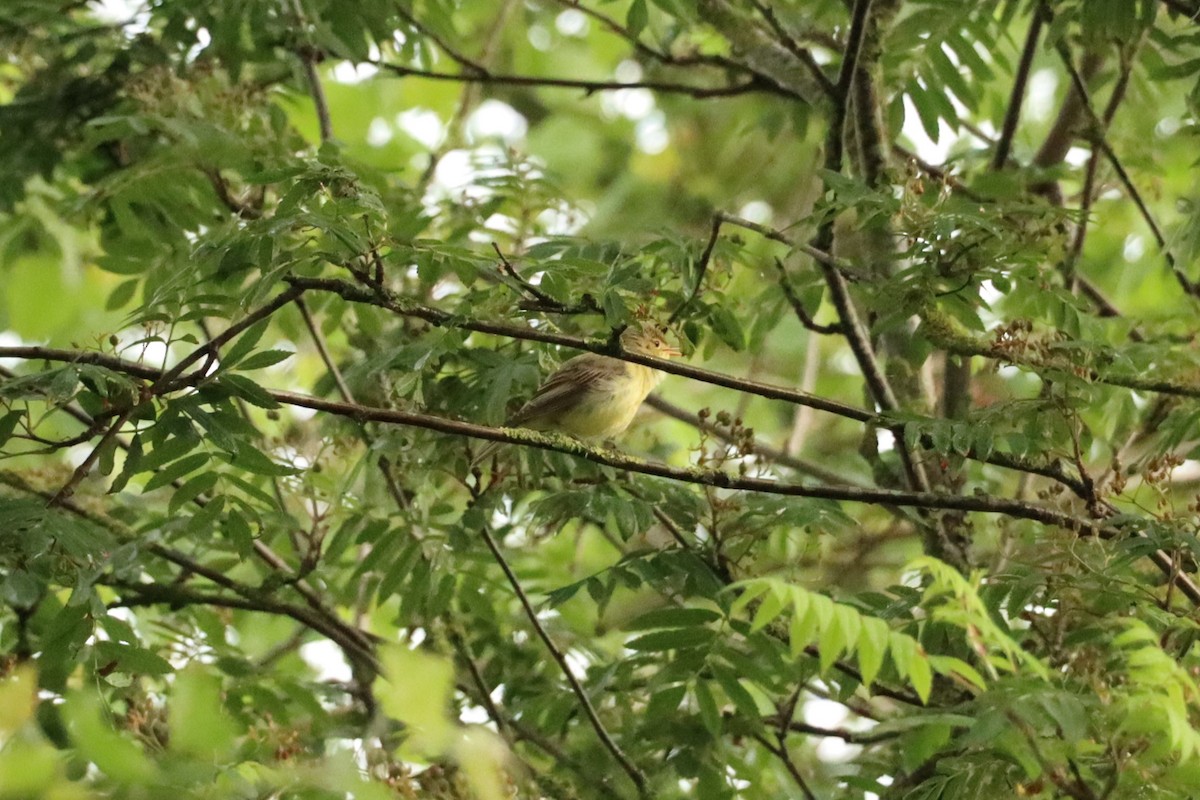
x=799 y=637
x=191 y=489
x=21 y=589
x=815 y=621
x=263 y=358
x=248 y=390
x=664 y=704
x=734 y=690
x=615 y=311
x=416 y=690
x=199 y=725
x=131 y=659
x=8 y=424
x=710 y=713
x=176 y=470
x=243 y=345
x=955 y=667
x=120 y=296
x=728 y=328
x=872 y=647
x=771 y=606
x=637 y=17
x=750 y=591
x=673 y=618
x=912 y=663
x=834 y=637
x=672 y=639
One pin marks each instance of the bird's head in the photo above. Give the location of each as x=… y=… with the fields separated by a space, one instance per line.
x=648 y=339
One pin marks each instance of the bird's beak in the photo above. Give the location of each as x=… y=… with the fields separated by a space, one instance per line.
x=671 y=352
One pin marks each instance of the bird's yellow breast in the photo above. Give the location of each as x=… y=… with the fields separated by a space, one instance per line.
x=607 y=408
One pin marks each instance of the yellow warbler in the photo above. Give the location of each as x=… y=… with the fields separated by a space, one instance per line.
x=593 y=396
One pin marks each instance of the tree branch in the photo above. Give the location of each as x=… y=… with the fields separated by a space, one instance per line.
x=1101 y=141
x=588 y=87
x=772 y=454
x=635 y=774
x=780 y=752
x=701 y=268
x=717 y=478
x=1013 y=114
x=405 y=307
x=802 y=54
x=667 y=59
x=705 y=477
x=801 y=313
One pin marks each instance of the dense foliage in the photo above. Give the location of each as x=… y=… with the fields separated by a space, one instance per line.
x=915 y=517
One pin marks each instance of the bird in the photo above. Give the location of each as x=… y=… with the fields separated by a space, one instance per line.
x=592 y=396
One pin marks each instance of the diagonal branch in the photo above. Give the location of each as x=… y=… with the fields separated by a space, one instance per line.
x=1013 y=115
x=780 y=752
x=353 y=642
x=668 y=59
x=801 y=312
x=701 y=268
x=309 y=56
x=802 y=54
x=456 y=55
x=165 y=383
x=631 y=769
x=1101 y=141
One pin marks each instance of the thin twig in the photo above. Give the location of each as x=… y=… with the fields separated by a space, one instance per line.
x=701 y=268
x=694 y=475
x=528 y=288
x=1051 y=470
x=781 y=753
x=314 y=333
x=353 y=644
x=1104 y=307
x=772 y=454
x=822 y=257
x=165 y=382
x=856 y=335
x=631 y=769
x=240 y=208
x=667 y=59
x=324 y=121
x=801 y=53
x=607 y=347
x=309 y=57
x=589 y=87
x=484 y=693
x=210 y=349
x=1013 y=114
x=85 y=467
x=801 y=313
x=435 y=316
x=850 y=737
x=841 y=98
x=458 y=57
x=1077 y=788
x=1101 y=141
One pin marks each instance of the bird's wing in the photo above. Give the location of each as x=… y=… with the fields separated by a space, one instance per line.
x=564 y=389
